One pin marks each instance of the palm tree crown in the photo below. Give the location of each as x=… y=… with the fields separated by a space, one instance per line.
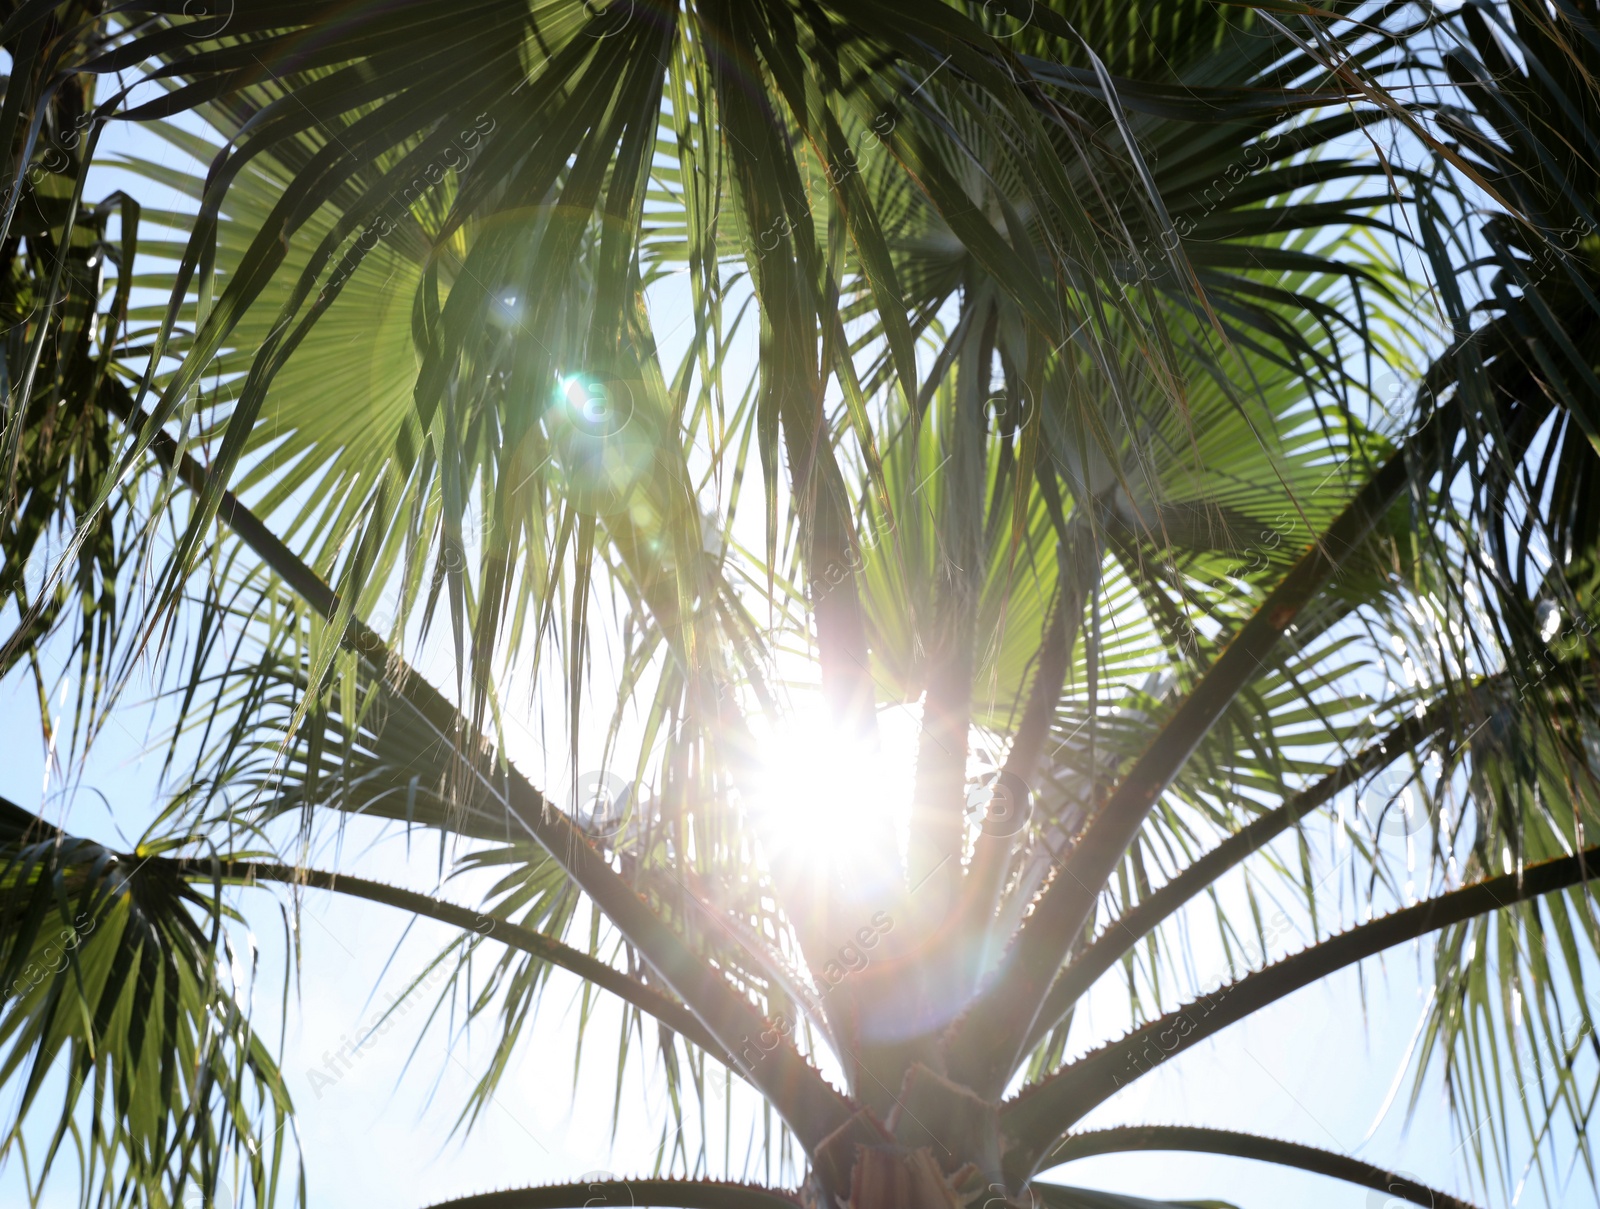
x=1179 y=420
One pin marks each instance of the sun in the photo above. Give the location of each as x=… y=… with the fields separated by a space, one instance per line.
x=824 y=792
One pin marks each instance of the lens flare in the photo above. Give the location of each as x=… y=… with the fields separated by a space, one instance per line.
x=597 y=407
x=601 y=456
x=506 y=311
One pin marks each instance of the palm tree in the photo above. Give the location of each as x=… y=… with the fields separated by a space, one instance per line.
x=1064 y=324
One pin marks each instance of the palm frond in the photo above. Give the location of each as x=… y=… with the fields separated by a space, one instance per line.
x=125 y=993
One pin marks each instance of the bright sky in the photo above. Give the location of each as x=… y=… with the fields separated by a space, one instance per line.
x=1316 y=1068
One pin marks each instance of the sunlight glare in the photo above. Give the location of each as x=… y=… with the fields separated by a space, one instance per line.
x=825 y=792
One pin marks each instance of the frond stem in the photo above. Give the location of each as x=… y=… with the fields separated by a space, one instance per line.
x=1042 y=1112
x=1133 y=925
x=491 y=927
x=1251 y=1146
x=685 y=1194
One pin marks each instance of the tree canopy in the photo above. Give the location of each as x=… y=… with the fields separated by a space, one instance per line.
x=1184 y=413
